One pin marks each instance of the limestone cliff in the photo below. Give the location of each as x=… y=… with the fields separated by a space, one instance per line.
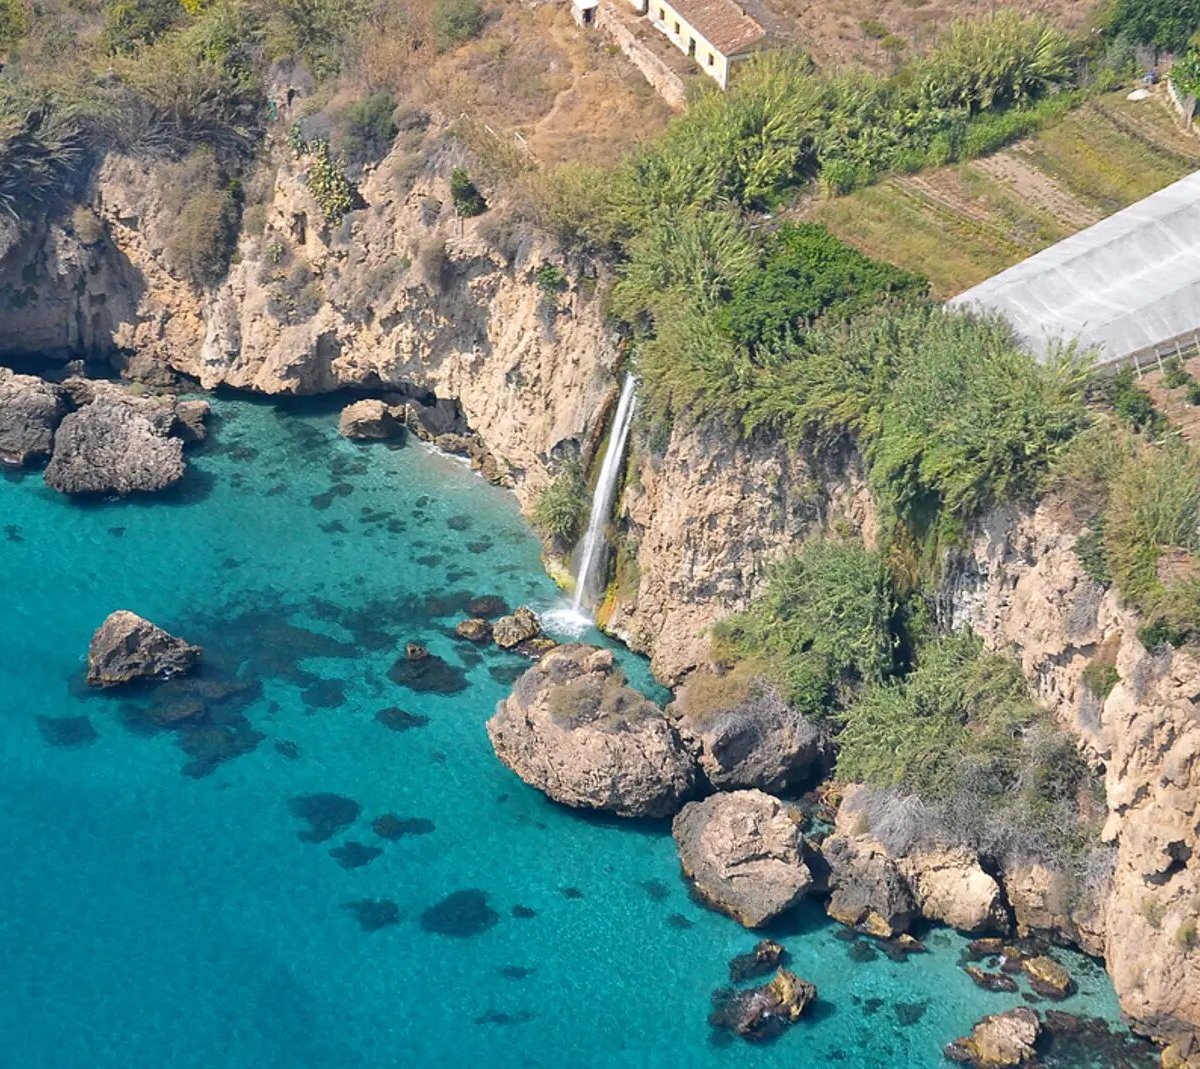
x=1021 y=586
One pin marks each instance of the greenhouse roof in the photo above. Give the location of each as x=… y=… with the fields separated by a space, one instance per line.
x=1127 y=284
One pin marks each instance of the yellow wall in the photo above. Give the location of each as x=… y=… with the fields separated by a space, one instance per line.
x=712 y=62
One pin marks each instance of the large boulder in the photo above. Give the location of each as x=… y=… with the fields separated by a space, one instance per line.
x=1001 y=1041
x=126 y=647
x=867 y=889
x=744 y=852
x=110 y=446
x=510 y=631
x=30 y=411
x=745 y=734
x=371 y=419
x=763 y=1012
x=572 y=729
x=950 y=886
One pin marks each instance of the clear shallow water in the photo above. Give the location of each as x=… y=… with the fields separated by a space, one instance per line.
x=159 y=909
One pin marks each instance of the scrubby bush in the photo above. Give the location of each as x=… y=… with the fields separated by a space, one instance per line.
x=129 y=24
x=1165 y=24
x=1100 y=677
x=550 y=279
x=561 y=509
x=316 y=30
x=468 y=201
x=295 y=297
x=368 y=128
x=819 y=629
x=202 y=205
x=327 y=181
x=454 y=22
x=962 y=734
x=14 y=21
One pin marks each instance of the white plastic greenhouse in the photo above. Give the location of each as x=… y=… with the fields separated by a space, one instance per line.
x=1128 y=286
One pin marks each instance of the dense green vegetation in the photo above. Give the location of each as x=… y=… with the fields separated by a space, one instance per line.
x=1166 y=24
x=820 y=628
x=561 y=509
x=962 y=733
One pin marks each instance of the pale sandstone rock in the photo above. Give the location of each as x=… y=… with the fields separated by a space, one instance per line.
x=743 y=851
x=371 y=419
x=1001 y=1041
x=510 y=631
x=573 y=730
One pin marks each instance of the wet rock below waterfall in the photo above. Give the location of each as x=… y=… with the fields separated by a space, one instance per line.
x=510 y=631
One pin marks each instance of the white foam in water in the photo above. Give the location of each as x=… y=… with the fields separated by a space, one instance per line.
x=565 y=620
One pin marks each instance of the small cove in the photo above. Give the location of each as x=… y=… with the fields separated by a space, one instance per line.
x=170 y=896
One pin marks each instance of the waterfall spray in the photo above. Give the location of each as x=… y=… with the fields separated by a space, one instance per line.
x=602 y=499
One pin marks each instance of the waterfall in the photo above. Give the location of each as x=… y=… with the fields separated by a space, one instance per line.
x=602 y=500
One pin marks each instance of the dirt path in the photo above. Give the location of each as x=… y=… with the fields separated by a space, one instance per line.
x=1015 y=170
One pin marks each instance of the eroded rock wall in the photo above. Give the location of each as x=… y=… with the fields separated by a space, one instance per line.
x=1021 y=586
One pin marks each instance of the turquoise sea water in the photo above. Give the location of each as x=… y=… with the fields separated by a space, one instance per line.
x=165 y=900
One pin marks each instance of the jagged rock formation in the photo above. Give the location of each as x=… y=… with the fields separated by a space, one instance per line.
x=867 y=889
x=743 y=851
x=1021 y=585
x=126 y=647
x=763 y=1012
x=1001 y=1041
x=747 y=738
x=30 y=411
x=371 y=419
x=572 y=729
x=118 y=443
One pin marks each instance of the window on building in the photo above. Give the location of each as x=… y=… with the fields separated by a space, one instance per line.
x=662 y=15
x=677 y=29
x=711 y=59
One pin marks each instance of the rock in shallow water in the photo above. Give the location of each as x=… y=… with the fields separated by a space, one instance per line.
x=743 y=851
x=765 y=956
x=126 y=647
x=371 y=420
x=511 y=631
x=572 y=729
x=763 y=1012
x=1001 y=1041
x=110 y=446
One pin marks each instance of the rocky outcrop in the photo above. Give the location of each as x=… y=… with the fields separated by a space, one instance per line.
x=867 y=889
x=126 y=647
x=950 y=886
x=572 y=729
x=510 y=631
x=1020 y=585
x=762 y=1013
x=371 y=419
x=747 y=736
x=30 y=411
x=1001 y=1041
x=743 y=852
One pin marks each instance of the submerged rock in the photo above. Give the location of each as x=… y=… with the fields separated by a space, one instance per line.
x=763 y=1012
x=743 y=851
x=510 y=631
x=126 y=647
x=371 y=419
x=110 y=446
x=765 y=956
x=1001 y=1041
x=30 y=412
x=374 y=914
x=461 y=914
x=990 y=981
x=745 y=734
x=572 y=729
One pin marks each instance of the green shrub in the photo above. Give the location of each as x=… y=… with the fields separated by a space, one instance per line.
x=806 y=272
x=14 y=21
x=454 y=22
x=561 y=509
x=1193 y=394
x=468 y=201
x=295 y=297
x=1165 y=24
x=368 y=128
x=1174 y=374
x=1185 y=72
x=820 y=628
x=1100 y=678
x=327 y=181
x=317 y=31
x=130 y=24
x=551 y=280
x=874 y=29
x=1133 y=404
x=1089 y=550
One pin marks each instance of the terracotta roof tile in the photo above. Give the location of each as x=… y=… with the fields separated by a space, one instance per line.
x=729 y=26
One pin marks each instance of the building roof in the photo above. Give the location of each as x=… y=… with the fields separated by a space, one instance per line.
x=1128 y=283
x=730 y=26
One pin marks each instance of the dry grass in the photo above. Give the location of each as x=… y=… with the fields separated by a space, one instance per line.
x=961 y=224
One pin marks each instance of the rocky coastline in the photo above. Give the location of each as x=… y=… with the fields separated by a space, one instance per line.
x=459 y=346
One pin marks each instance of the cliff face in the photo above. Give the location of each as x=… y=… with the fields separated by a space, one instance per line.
x=402 y=295
x=1021 y=586
x=703 y=522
